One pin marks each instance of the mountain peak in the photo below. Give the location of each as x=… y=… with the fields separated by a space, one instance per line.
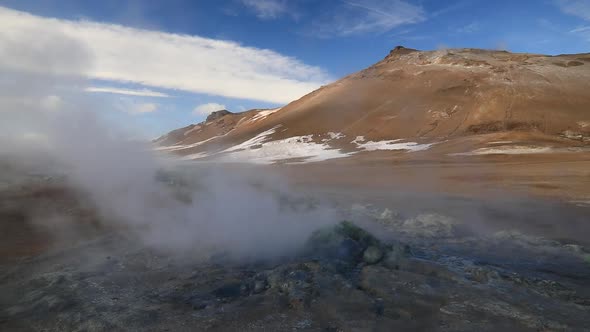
x=399 y=48
x=217 y=115
x=399 y=51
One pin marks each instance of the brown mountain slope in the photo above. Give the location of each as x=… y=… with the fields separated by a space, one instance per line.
x=217 y=124
x=426 y=97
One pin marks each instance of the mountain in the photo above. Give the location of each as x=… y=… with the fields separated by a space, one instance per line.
x=451 y=102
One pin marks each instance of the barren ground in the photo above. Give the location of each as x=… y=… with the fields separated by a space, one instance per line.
x=492 y=242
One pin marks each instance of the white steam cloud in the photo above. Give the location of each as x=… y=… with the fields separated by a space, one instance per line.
x=206 y=109
x=227 y=213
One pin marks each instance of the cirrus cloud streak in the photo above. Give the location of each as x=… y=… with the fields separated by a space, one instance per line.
x=127 y=92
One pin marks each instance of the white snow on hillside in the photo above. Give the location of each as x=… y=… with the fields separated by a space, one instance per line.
x=194 y=156
x=500 y=142
x=263 y=114
x=256 y=140
x=297 y=147
x=396 y=144
x=193 y=129
x=358 y=139
x=514 y=149
x=333 y=136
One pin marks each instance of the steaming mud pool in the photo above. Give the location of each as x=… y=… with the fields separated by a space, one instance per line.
x=396 y=272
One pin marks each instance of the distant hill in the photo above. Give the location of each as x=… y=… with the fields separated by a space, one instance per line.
x=412 y=101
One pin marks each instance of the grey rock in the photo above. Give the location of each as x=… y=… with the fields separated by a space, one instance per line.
x=429 y=268
x=396 y=256
x=372 y=255
x=344 y=242
x=217 y=115
x=348 y=250
x=298 y=297
x=482 y=275
x=259 y=286
x=430 y=225
x=293 y=282
x=229 y=290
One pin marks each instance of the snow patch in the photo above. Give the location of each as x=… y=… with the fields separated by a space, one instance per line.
x=500 y=142
x=241 y=121
x=194 y=156
x=256 y=140
x=358 y=139
x=396 y=144
x=333 y=136
x=297 y=147
x=263 y=114
x=195 y=128
x=514 y=149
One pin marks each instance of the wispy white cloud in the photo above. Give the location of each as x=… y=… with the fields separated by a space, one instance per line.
x=469 y=28
x=206 y=109
x=144 y=108
x=582 y=31
x=452 y=7
x=134 y=106
x=128 y=92
x=156 y=59
x=585 y=29
x=357 y=17
x=579 y=8
x=267 y=9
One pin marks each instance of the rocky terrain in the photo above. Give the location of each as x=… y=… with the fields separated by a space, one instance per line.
x=383 y=269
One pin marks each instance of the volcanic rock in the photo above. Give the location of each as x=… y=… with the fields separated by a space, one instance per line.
x=217 y=115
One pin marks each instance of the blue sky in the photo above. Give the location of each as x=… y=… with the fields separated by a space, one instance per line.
x=242 y=54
